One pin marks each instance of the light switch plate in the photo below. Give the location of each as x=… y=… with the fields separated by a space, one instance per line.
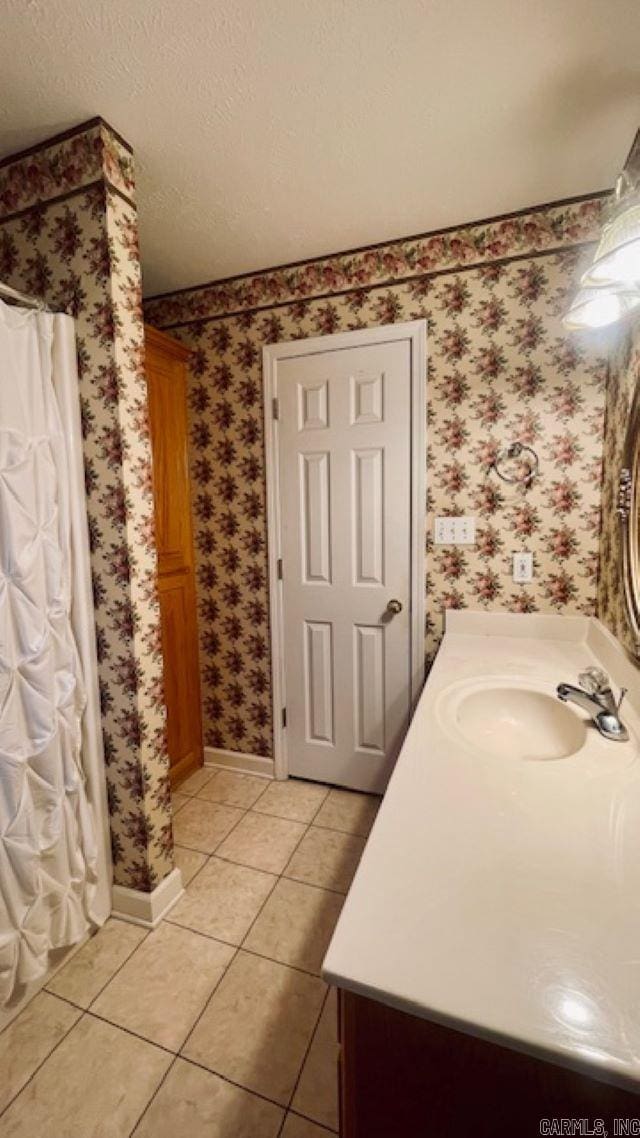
x=523 y=567
x=444 y=531
x=465 y=531
x=455 y=531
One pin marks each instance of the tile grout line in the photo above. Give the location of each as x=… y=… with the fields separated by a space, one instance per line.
x=327 y=786
x=207 y=859
x=85 y=1012
x=322 y=1005
x=264 y=814
x=242 y=944
x=240 y=947
x=220 y=843
x=282 y=1124
x=283 y=963
x=295 y=780
x=300 y=881
x=208 y=853
x=122 y=1027
x=261 y=794
x=129 y=1031
x=326 y=996
x=277 y=878
x=47 y=1056
x=309 y=1046
x=237 y=949
x=301 y=821
x=244 y=865
x=283 y=819
x=320 y=807
x=175 y=1055
x=112 y=977
x=283 y=874
x=70 y=1003
x=306 y=1118
x=272 y=814
x=321 y=1126
x=88 y=1011
x=225 y=1079
x=233 y=958
x=225 y=861
x=298 y=844
x=159 y=1086
x=306 y=826
x=249 y=810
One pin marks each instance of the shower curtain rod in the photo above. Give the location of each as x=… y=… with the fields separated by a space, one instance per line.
x=29 y=301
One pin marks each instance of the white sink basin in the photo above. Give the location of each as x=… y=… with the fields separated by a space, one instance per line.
x=512 y=720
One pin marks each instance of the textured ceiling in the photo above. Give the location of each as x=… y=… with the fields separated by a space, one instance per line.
x=267 y=131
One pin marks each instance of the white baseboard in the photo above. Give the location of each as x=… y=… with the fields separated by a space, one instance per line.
x=147 y=909
x=238 y=761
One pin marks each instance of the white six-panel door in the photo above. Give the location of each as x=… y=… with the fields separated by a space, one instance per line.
x=344 y=458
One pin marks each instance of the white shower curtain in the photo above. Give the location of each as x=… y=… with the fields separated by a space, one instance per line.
x=54 y=858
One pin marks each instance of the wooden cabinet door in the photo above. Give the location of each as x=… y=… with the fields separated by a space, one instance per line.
x=408 y=1077
x=166 y=384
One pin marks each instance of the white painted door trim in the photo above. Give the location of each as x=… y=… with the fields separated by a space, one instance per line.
x=416 y=332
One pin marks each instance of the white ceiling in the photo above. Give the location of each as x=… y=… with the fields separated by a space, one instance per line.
x=267 y=131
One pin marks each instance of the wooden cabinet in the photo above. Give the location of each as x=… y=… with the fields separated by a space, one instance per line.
x=406 y=1077
x=166 y=369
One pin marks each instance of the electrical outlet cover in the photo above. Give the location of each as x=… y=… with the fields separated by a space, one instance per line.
x=523 y=567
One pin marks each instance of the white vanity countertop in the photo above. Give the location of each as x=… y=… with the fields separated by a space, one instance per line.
x=501 y=896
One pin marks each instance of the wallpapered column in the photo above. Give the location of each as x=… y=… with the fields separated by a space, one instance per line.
x=500 y=367
x=624 y=378
x=68 y=233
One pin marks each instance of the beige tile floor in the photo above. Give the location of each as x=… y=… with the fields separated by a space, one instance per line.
x=216 y=1024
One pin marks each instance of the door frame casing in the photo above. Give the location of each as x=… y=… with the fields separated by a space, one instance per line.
x=415 y=331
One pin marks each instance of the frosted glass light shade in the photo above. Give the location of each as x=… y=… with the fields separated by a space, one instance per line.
x=617 y=258
x=597 y=307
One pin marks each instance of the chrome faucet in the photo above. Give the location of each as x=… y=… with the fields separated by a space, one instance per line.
x=596 y=697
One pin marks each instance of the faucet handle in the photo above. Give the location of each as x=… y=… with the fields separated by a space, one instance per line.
x=594 y=681
x=623 y=692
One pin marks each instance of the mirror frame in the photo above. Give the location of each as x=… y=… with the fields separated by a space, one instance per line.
x=629 y=511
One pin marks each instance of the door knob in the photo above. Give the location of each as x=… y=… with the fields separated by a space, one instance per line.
x=394 y=606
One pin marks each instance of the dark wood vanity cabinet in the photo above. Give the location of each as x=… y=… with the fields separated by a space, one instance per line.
x=406 y=1077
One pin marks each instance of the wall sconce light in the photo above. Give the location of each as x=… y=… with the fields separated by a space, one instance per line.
x=617 y=259
x=598 y=307
x=610 y=287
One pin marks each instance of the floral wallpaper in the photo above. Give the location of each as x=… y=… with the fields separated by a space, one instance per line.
x=68 y=232
x=624 y=380
x=66 y=164
x=500 y=368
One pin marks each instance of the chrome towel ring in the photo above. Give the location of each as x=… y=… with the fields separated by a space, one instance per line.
x=529 y=468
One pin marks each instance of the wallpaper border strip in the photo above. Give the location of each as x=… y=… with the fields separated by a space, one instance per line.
x=523 y=235
x=7 y=218
x=382 y=244
x=353 y=250
x=82 y=157
x=390 y=282
x=64 y=136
